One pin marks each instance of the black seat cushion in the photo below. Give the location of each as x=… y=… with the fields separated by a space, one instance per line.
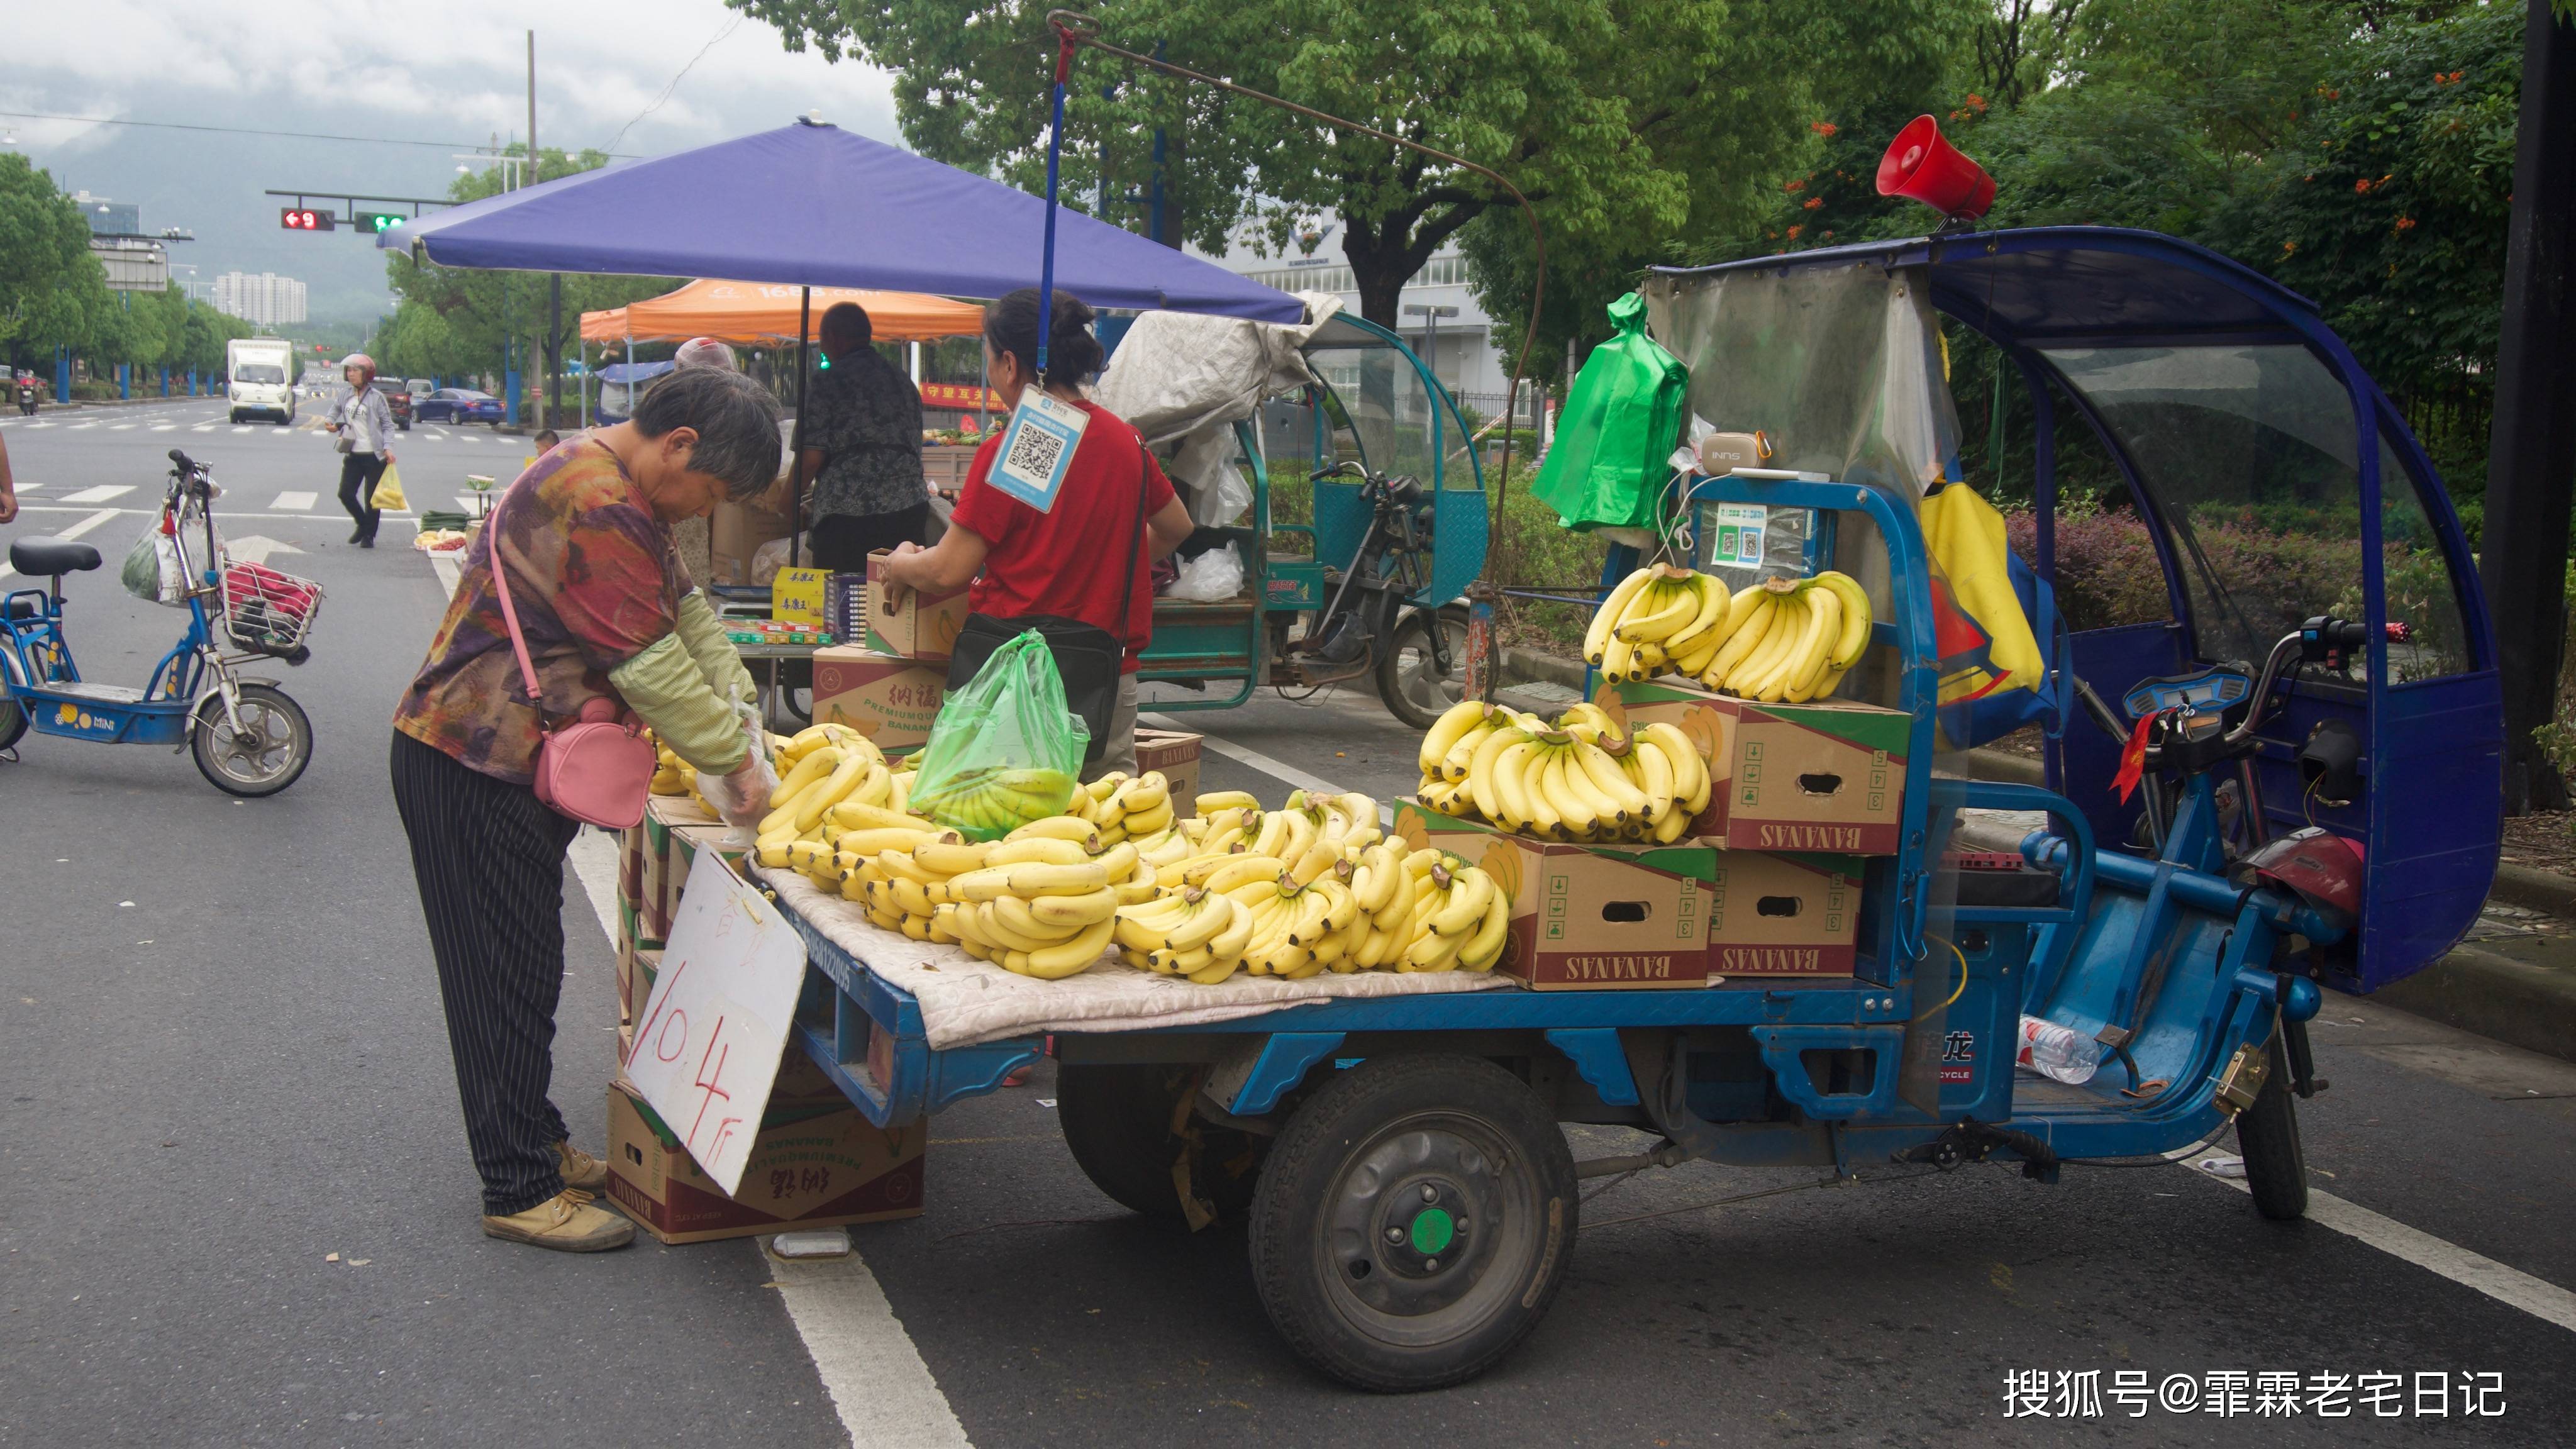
x=46 y=557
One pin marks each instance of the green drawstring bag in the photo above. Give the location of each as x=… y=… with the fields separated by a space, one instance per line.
x=1623 y=418
x=1004 y=750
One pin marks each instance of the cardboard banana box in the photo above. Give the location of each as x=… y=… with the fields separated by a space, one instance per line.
x=1827 y=777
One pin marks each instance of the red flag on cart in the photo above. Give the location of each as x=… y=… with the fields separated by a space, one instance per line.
x=2133 y=757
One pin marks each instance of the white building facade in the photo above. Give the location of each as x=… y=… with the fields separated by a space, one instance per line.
x=1451 y=333
x=265 y=300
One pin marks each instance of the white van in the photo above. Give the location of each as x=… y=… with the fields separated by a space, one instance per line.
x=258 y=378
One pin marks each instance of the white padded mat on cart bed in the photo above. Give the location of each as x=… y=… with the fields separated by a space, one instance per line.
x=965 y=1001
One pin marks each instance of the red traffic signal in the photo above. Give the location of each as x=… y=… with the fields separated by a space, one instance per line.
x=1921 y=166
x=297 y=218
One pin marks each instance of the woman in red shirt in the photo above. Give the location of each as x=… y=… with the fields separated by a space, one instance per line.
x=1064 y=562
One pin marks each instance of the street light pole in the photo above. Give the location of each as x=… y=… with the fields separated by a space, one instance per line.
x=1431 y=337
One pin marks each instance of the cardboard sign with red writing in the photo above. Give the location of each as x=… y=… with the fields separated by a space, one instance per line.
x=708 y=1040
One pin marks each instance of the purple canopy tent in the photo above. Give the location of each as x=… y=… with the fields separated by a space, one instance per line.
x=813 y=205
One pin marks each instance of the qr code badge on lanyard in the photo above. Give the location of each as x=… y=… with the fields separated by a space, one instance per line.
x=1038 y=449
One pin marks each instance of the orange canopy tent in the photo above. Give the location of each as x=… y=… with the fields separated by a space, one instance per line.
x=755 y=314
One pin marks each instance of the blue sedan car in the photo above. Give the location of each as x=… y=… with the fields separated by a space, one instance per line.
x=459 y=405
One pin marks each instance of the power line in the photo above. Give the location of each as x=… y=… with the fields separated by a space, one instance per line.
x=248 y=131
x=675 y=80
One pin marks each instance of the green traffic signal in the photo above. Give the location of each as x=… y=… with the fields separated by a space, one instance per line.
x=375 y=222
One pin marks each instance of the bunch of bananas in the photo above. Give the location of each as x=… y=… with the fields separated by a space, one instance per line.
x=991 y=801
x=671 y=774
x=1038 y=902
x=834 y=779
x=1780 y=639
x=1309 y=888
x=1124 y=808
x=1581 y=778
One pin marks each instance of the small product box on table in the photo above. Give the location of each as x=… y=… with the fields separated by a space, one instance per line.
x=813 y=1165
x=890 y=700
x=1176 y=754
x=1821 y=777
x=909 y=622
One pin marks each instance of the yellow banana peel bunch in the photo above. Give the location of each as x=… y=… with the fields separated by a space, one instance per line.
x=1780 y=639
x=1581 y=777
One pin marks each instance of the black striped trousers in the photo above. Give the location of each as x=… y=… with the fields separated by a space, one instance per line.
x=489 y=857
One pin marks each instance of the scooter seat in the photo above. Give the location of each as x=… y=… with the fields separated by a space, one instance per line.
x=43 y=558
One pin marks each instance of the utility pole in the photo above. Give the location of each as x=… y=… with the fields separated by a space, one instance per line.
x=2531 y=452
x=555 y=284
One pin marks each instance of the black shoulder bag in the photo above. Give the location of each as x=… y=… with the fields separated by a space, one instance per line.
x=1089 y=658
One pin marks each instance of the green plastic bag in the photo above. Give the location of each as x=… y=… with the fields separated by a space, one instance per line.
x=1623 y=417
x=1004 y=750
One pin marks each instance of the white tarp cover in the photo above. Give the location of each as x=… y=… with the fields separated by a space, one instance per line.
x=1185 y=379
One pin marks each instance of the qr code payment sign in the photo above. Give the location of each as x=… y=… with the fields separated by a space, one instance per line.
x=1038 y=450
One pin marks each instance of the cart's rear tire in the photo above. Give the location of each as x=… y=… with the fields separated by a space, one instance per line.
x=1414 y=691
x=1466 y=1168
x=2267 y=1136
x=13 y=722
x=265 y=756
x=1117 y=1119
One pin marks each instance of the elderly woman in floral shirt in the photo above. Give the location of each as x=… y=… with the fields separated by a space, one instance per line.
x=607 y=612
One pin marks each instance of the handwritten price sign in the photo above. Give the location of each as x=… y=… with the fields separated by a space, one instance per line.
x=707 y=1051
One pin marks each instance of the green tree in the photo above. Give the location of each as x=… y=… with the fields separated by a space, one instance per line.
x=1602 y=111
x=52 y=291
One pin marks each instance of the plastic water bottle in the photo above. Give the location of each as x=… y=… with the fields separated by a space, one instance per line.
x=2056 y=1052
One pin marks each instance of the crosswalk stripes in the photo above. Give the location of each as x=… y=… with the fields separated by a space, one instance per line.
x=294 y=502
x=100 y=494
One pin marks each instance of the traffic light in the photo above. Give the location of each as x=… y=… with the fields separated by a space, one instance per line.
x=302 y=218
x=377 y=222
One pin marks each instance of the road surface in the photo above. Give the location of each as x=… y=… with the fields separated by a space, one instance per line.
x=222 y=1051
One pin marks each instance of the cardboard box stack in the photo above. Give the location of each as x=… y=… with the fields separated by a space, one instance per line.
x=1828 y=776
x=817 y=1162
x=909 y=623
x=1176 y=754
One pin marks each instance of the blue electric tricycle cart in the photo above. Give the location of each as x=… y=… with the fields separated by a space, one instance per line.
x=1411 y=1201
x=248 y=737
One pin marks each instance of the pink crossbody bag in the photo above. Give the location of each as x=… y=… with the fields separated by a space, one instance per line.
x=595 y=768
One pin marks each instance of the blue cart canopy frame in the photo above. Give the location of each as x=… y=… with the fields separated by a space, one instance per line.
x=2222 y=397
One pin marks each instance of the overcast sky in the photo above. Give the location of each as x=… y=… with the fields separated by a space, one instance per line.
x=435 y=70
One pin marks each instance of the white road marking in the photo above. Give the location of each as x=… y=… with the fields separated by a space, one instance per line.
x=884 y=1393
x=77 y=427
x=2510 y=1286
x=467 y=438
x=29 y=487
x=879 y=1385
x=1277 y=769
x=163 y=427
x=257 y=548
x=203 y=428
x=75 y=531
x=103 y=493
x=31 y=427
x=122 y=428
x=241 y=427
x=293 y=501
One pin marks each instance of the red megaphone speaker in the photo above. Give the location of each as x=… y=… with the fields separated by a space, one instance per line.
x=1920 y=165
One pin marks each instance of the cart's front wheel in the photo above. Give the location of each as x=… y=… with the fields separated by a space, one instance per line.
x=1414 y=1222
x=1117 y=1120
x=264 y=756
x=2267 y=1136
x=1417 y=691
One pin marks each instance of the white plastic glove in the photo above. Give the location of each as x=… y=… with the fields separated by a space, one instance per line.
x=742 y=797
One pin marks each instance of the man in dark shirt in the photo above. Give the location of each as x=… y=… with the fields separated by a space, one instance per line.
x=862 y=448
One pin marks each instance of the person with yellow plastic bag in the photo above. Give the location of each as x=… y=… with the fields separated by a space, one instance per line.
x=364 y=422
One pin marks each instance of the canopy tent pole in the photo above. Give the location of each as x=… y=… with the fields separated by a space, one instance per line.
x=796 y=439
x=983 y=391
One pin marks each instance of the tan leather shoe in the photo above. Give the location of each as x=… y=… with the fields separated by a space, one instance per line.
x=566 y=1222
x=580 y=1169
